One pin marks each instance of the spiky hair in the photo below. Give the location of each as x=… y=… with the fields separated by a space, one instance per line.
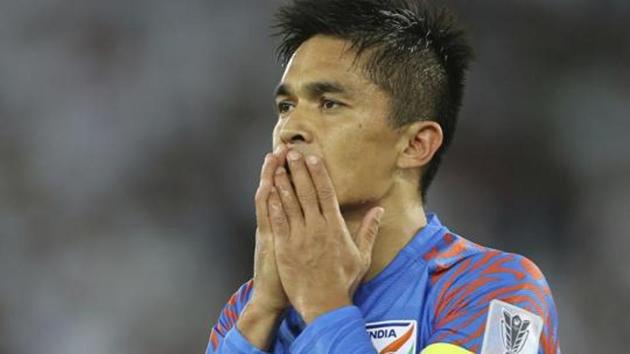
x=413 y=50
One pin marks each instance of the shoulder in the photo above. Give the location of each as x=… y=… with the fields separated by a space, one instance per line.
x=474 y=274
x=455 y=262
x=466 y=278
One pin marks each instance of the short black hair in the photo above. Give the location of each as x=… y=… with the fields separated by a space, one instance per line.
x=416 y=53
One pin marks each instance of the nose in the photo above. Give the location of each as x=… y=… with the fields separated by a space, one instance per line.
x=292 y=136
x=295 y=130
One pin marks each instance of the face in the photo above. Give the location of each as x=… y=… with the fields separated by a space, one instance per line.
x=328 y=108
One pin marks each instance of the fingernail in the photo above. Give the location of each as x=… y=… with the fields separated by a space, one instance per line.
x=280 y=170
x=312 y=160
x=379 y=213
x=293 y=155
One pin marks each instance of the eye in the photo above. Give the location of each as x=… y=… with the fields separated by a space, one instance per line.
x=330 y=104
x=284 y=107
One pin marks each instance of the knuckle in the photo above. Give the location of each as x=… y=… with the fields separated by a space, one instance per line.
x=285 y=193
x=326 y=192
x=307 y=194
x=278 y=219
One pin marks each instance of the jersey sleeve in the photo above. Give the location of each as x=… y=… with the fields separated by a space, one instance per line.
x=463 y=295
x=341 y=331
x=224 y=337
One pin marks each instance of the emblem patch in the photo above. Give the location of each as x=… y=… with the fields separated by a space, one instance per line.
x=511 y=330
x=393 y=337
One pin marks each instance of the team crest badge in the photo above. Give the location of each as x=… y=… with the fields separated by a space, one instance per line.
x=511 y=330
x=515 y=331
x=393 y=337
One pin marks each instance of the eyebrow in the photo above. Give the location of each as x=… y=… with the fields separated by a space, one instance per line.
x=314 y=89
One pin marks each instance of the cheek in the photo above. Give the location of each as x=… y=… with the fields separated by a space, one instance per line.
x=363 y=182
x=340 y=169
x=359 y=170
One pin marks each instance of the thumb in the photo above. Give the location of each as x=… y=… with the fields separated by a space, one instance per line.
x=368 y=231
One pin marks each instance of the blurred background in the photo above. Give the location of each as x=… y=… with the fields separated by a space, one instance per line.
x=132 y=134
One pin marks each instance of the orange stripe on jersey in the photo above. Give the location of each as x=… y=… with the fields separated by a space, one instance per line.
x=219 y=327
x=488 y=258
x=395 y=345
x=531 y=269
x=214 y=340
x=231 y=315
x=463 y=293
x=524 y=286
x=454 y=316
x=525 y=298
x=467 y=288
x=499 y=267
x=447 y=286
x=448 y=240
x=546 y=340
x=456 y=249
x=476 y=334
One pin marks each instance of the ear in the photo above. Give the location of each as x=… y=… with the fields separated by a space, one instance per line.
x=418 y=143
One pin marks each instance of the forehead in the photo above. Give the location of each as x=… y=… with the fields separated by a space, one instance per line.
x=325 y=58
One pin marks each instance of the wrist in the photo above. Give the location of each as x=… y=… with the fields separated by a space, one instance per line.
x=269 y=308
x=258 y=324
x=311 y=311
x=260 y=307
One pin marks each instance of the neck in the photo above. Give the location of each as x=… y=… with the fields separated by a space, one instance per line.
x=403 y=217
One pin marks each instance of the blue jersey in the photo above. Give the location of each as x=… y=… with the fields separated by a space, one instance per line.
x=441 y=294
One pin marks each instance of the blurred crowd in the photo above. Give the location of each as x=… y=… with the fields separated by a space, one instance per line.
x=132 y=133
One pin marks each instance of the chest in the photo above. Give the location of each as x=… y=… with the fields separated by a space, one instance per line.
x=396 y=314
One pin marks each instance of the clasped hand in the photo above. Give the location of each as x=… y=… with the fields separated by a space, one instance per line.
x=319 y=264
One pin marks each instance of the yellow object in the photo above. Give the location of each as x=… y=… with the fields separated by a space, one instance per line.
x=444 y=348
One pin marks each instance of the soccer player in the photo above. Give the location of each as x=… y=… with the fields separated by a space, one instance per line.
x=346 y=259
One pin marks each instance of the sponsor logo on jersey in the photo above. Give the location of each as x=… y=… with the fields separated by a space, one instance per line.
x=393 y=337
x=511 y=330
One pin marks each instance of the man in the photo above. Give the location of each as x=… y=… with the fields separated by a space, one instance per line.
x=346 y=259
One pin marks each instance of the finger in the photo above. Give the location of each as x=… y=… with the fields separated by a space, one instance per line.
x=304 y=188
x=288 y=198
x=368 y=231
x=324 y=187
x=280 y=155
x=262 y=194
x=277 y=216
x=272 y=161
